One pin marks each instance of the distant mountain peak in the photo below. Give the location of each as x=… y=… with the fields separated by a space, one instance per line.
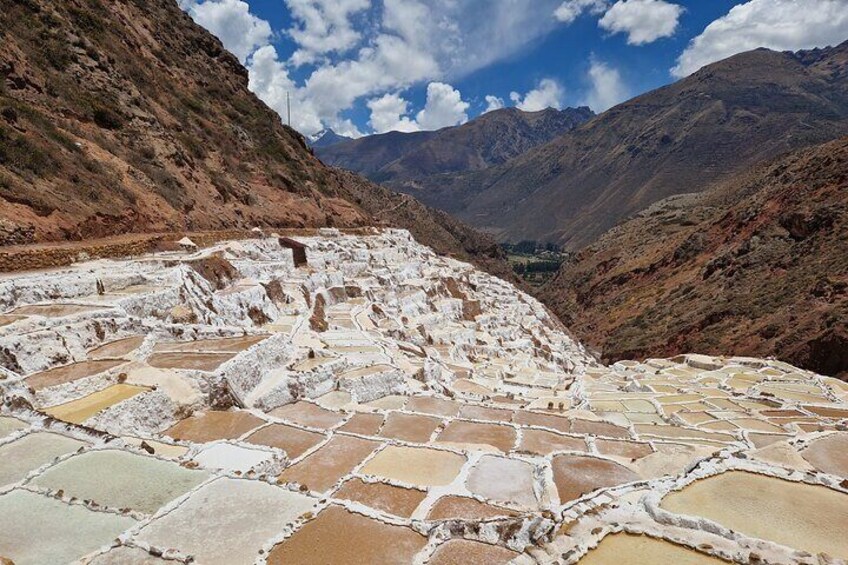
x=327 y=137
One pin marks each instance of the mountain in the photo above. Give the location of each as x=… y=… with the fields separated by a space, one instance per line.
x=126 y=116
x=402 y=160
x=757 y=265
x=326 y=138
x=682 y=138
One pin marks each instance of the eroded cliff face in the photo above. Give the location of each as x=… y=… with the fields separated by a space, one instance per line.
x=125 y=116
x=756 y=266
x=385 y=404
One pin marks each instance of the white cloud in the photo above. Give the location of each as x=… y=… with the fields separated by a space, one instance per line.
x=231 y=21
x=570 y=10
x=323 y=26
x=445 y=107
x=493 y=103
x=607 y=88
x=644 y=21
x=549 y=94
x=777 y=24
x=388 y=113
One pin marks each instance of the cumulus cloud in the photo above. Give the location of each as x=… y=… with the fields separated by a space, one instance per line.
x=644 y=21
x=323 y=26
x=445 y=107
x=388 y=113
x=777 y=24
x=570 y=10
x=549 y=94
x=231 y=21
x=493 y=103
x=606 y=87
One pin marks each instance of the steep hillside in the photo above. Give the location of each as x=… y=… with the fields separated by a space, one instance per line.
x=125 y=116
x=682 y=138
x=756 y=266
x=406 y=160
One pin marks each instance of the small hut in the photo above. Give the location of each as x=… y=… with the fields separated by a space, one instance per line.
x=298 y=250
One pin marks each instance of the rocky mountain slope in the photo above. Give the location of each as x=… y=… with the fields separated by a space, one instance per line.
x=412 y=162
x=720 y=121
x=756 y=266
x=125 y=116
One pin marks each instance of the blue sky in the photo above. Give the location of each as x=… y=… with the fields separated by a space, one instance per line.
x=365 y=66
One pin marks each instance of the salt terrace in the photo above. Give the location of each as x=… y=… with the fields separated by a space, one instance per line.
x=383 y=404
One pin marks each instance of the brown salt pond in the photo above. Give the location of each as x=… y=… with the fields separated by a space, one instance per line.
x=416 y=466
x=468 y=552
x=294 y=441
x=117 y=349
x=643 y=550
x=7 y=320
x=542 y=442
x=308 y=414
x=218 y=345
x=189 y=361
x=70 y=373
x=80 y=410
x=473 y=434
x=807 y=517
x=364 y=424
x=829 y=454
x=212 y=426
x=462 y=508
x=339 y=536
x=337 y=458
x=576 y=475
x=473 y=412
x=431 y=405
x=409 y=427
x=391 y=499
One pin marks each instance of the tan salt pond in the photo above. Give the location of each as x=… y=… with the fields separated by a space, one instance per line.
x=32 y=451
x=336 y=536
x=7 y=320
x=462 y=508
x=503 y=480
x=308 y=414
x=189 y=361
x=624 y=449
x=218 y=345
x=80 y=410
x=806 y=517
x=394 y=500
x=474 y=434
x=473 y=412
x=9 y=425
x=466 y=552
x=617 y=549
x=212 y=426
x=294 y=441
x=117 y=349
x=70 y=373
x=337 y=458
x=829 y=454
x=416 y=466
x=54 y=310
x=409 y=427
x=577 y=475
